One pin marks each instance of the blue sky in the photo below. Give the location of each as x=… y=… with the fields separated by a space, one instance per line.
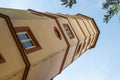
x=99 y=63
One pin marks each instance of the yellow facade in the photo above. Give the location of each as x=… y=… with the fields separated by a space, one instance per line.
x=14 y=64
x=38 y=46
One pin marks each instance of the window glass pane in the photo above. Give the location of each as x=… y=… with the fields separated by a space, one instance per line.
x=23 y=36
x=27 y=44
x=67 y=29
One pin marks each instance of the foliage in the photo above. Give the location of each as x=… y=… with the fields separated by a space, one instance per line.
x=68 y=3
x=112 y=7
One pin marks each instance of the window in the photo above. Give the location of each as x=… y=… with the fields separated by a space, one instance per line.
x=84 y=45
x=79 y=48
x=68 y=31
x=2 y=60
x=27 y=39
x=57 y=33
x=89 y=45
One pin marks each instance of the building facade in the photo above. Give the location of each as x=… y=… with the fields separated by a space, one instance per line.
x=38 y=46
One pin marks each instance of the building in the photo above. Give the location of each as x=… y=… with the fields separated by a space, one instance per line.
x=38 y=46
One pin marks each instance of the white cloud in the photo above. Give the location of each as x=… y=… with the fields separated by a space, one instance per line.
x=19 y=4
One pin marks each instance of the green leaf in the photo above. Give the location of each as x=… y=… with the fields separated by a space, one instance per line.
x=112 y=7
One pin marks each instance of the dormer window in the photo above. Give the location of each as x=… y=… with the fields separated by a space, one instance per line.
x=27 y=39
x=68 y=31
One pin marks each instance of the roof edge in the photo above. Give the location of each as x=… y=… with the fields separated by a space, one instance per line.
x=83 y=16
x=97 y=34
x=41 y=13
